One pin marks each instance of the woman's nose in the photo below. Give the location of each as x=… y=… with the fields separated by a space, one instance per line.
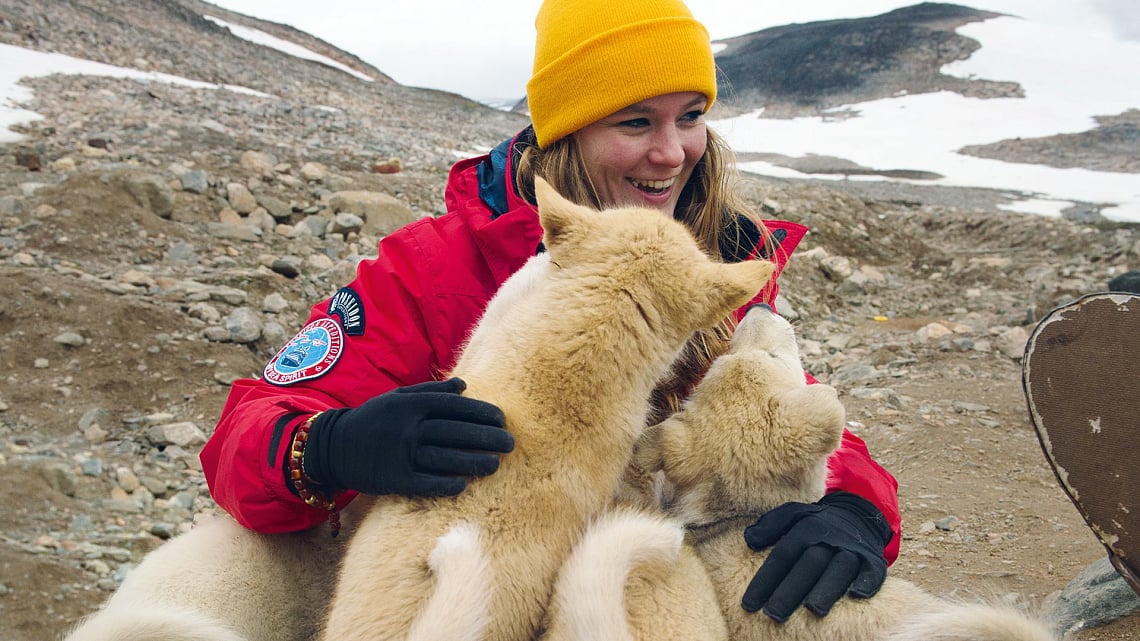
x=667 y=148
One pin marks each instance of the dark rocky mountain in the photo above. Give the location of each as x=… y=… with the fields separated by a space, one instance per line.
x=805 y=68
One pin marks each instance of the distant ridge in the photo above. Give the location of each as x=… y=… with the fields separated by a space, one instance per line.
x=805 y=68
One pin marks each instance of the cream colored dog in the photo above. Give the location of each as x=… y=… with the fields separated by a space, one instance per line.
x=570 y=349
x=222 y=582
x=753 y=436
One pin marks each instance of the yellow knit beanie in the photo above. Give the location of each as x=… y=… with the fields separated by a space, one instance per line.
x=595 y=57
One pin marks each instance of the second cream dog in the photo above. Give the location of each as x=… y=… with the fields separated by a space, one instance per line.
x=753 y=436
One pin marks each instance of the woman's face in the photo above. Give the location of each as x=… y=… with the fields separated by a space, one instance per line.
x=645 y=153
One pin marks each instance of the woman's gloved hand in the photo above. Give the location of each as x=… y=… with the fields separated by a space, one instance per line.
x=420 y=440
x=820 y=551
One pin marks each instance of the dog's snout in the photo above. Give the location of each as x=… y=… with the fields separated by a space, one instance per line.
x=764 y=306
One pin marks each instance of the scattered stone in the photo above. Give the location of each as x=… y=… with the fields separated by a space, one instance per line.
x=136 y=278
x=184 y=434
x=204 y=311
x=836 y=268
x=59 y=476
x=229 y=216
x=319 y=262
x=64 y=165
x=243 y=325
x=258 y=162
x=288 y=266
x=1011 y=342
x=70 y=339
x=240 y=198
x=181 y=253
x=127 y=479
x=346 y=223
x=92 y=467
x=29 y=160
x=152 y=193
x=195 y=181
x=1097 y=596
x=885 y=396
x=260 y=220
x=227 y=231
x=314 y=171
x=1128 y=282
x=279 y=209
x=275 y=334
x=231 y=295
x=274 y=303
x=9 y=206
x=932 y=332
x=311 y=226
x=381 y=213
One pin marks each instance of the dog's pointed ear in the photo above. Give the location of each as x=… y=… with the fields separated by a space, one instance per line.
x=558 y=216
x=733 y=284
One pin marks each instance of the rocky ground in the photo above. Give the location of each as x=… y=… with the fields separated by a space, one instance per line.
x=157 y=242
x=138 y=281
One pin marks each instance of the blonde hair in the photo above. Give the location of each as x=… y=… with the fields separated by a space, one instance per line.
x=709 y=206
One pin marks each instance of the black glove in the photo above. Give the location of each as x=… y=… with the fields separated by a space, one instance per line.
x=420 y=440
x=822 y=550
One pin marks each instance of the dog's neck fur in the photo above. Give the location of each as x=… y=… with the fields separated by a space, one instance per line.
x=610 y=357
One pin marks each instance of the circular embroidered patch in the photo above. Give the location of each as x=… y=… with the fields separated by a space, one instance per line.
x=310 y=354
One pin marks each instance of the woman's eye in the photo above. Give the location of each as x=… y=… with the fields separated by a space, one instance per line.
x=636 y=122
x=692 y=116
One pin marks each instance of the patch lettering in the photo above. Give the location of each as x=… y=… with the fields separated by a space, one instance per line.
x=346 y=307
x=310 y=354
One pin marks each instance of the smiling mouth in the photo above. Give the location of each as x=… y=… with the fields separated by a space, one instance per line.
x=654 y=187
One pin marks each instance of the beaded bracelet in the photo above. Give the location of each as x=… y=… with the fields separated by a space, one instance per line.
x=303 y=484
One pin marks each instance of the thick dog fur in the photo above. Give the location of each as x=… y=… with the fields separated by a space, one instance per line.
x=633 y=556
x=570 y=349
x=753 y=435
x=222 y=582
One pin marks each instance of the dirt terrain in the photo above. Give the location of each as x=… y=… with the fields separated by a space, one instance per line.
x=91 y=487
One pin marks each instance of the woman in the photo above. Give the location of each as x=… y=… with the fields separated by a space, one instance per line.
x=350 y=405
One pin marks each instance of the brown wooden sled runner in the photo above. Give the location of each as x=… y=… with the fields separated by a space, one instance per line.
x=1081 y=375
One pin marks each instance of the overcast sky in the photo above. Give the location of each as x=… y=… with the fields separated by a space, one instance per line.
x=483 y=49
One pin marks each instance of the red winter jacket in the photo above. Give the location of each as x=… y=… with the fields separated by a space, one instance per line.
x=400 y=322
